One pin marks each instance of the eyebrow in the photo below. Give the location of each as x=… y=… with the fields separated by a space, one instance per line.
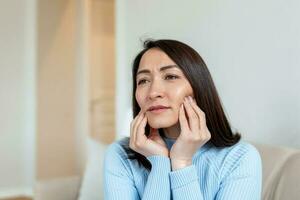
x=146 y=71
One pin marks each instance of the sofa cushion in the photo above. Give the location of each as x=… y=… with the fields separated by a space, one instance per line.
x=289 y=182
x=274 y=160
x=91 y=186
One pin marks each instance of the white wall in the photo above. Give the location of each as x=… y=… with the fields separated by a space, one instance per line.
x=251 y=48
x=17 y=96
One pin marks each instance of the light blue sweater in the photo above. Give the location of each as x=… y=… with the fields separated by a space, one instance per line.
x=230 y=173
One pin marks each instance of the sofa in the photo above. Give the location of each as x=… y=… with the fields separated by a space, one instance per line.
x=281 y=176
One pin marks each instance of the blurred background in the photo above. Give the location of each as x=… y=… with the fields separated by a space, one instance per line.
x=65 y=72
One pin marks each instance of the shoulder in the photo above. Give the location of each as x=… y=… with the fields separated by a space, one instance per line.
x=232 y=153
x=116 y=156
x=116 y=162
x=116 y=150
x=241 y=152
x=242 y=157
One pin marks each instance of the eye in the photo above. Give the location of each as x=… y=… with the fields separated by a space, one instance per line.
x=142 y=81
x=171 y=77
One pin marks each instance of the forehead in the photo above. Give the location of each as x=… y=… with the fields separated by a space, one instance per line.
x=155 y=58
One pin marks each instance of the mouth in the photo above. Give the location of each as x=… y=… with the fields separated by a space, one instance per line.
x=157 y=109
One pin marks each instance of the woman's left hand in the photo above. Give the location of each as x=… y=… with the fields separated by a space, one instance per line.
x=194 y=134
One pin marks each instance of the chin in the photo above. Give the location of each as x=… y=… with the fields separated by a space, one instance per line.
x=161 y=123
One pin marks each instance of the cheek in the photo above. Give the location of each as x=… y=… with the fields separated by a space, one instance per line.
x=180 y=93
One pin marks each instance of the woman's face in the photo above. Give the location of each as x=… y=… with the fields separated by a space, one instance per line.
x=161 y=88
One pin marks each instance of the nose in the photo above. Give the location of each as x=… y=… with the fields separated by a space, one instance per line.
x=156 y=90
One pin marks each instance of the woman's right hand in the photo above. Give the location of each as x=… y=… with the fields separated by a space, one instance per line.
x=139 y=142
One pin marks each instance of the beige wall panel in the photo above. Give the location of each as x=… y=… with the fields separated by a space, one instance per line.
x=56 y=89
x=102 y=70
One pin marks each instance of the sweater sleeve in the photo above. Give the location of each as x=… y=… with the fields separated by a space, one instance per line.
x=185 y=185
x=158 y=183
x=119 y=182
x=241 y=175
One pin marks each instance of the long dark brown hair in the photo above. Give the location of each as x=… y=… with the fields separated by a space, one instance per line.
x=205 y=94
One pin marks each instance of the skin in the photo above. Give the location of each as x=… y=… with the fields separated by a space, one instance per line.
x=161 y=82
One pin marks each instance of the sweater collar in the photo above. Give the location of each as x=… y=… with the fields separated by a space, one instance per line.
x=169 y=142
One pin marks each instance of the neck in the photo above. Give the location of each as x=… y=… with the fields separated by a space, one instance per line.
x=172 y=132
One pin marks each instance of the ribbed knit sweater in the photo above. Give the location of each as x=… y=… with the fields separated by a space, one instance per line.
x=228 y=173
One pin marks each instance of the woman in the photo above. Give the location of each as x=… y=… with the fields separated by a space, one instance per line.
x=181 y=145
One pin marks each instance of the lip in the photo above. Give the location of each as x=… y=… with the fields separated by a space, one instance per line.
x=157 y=109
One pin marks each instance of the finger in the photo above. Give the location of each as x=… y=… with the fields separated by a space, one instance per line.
x=134 y=120
x=134 y=125
x=136 y=117
x=199 y=112
x=137 y=123
x=193 y=118
x=184 y=126
x=140 y=132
